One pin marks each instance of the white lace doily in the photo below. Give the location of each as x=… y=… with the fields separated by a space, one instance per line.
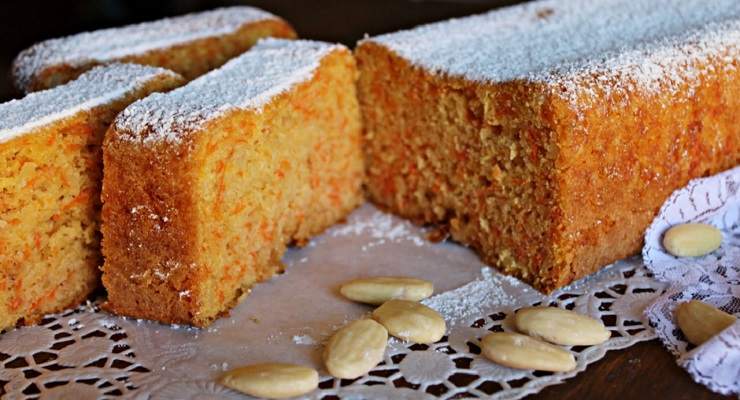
x=714 y=278
x=86 y=353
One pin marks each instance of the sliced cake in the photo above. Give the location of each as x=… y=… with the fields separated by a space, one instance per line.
x=191 y=45
x=205 y=186
x=50 y=152
x=547 y=135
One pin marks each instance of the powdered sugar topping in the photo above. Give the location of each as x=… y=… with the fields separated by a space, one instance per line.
x=646 y=41
x=248 y=82
x=106 y=45
x=99 y=86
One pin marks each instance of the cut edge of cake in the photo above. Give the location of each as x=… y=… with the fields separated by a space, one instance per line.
x=50 y=141
x=176 y=140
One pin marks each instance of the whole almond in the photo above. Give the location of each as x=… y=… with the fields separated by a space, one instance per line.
x=515 y=350
x=700 y=321
x=272 y=380
x=355 y=349
x=377 y=290
x=411 y=321
x=560 y=326
x=692 y=240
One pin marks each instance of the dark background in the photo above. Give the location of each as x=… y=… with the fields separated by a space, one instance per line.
x=646 y=370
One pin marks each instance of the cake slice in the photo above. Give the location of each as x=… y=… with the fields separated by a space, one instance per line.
x=191 y=45
x=50 y=152
x=547 y=135
x=205 y=186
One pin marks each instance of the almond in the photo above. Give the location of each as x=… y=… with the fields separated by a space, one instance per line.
x=272 y=380
x=560 y=326
x=378 y=290
x=355 y=349
x=692 y=240
x=411 y=321
x=515 y=350
x=700 y=321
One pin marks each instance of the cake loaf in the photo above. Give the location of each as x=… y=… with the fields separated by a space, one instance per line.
x=205 y=186
x=191 y=45
x=547 y=135
x=50 y=152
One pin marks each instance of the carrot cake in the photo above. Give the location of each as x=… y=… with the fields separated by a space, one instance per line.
x=50 y=148
x=547 y=135
x=205 y=186
x=191 y=45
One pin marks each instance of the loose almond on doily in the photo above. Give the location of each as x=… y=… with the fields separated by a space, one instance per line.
x=692 y=240
x=560 y=326
x=377 y=290
x=355 y=349
x=515 y=350
x=700 y=321
x=411 y=321
x=272 y=380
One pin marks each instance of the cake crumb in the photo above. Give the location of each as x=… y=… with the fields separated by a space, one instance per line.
x=305 y=340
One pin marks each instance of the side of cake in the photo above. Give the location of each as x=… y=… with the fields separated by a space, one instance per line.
x=205 y=186
x=190 y=45
x=50 y=150
x=551 y=166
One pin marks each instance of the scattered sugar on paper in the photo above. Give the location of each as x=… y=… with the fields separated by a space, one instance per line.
x=474 y=298
x=381 y=227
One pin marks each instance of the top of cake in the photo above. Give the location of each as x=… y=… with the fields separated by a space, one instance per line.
x=114 y=43
x=99 y=86
x=648 y=41
x=247 y=82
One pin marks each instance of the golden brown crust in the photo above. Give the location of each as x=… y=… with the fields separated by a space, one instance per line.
x=627 y=154
x=142 y=184
x=544 y=190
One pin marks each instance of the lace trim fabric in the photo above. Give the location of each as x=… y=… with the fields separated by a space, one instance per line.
x=714 y=278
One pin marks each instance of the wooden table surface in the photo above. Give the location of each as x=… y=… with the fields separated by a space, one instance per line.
x=645 y=370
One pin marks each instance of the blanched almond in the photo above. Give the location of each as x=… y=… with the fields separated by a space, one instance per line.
x=355 y=349
x=692 y=240
x=411 y=321
x=515 y=350
x=272 y=380
x=700 y=321
x=560 y=326
x=378 y=290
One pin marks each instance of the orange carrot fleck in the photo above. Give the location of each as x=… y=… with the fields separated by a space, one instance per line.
x=239 y=207
x=79 y=200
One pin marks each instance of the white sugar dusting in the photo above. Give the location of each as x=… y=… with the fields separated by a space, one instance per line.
x=107 y=45
x=380 y=227
x=97 y=87
x=248 y=82
x=623 y=44
x=473 y=298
